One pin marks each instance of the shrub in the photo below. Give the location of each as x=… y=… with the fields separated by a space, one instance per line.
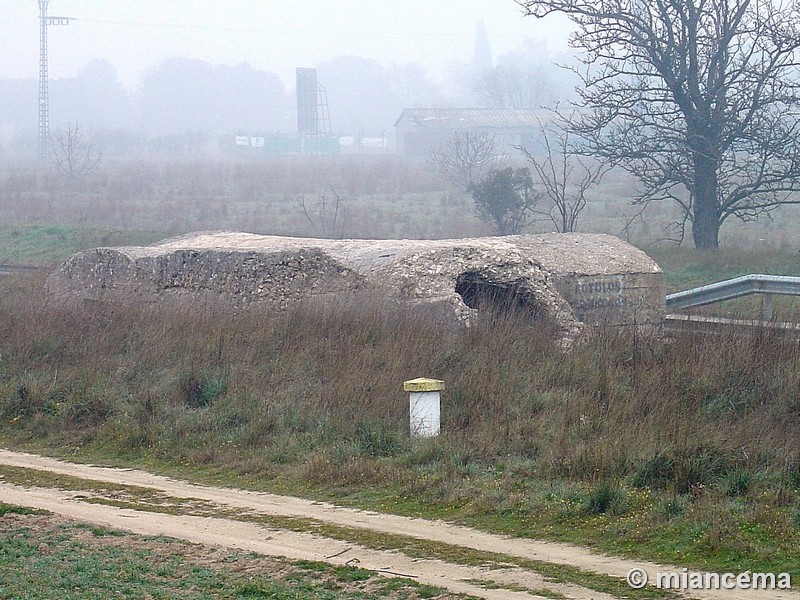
x=506 y=199
x=681 y=470
x=605 y=497
x=376 y=439
x=657 y=472
x=671 y=507
x=736 y=483
x=201 y=391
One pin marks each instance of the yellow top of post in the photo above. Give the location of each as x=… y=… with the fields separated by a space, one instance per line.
x=423 y=384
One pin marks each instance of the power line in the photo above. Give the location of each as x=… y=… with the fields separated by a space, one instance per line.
x=261 y=31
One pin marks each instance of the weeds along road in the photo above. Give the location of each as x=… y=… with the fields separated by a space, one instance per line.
x=458 y=558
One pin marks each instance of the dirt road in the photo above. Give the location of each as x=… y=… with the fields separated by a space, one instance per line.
x=221 y=526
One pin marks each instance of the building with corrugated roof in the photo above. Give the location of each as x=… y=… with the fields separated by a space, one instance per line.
x=420 y=130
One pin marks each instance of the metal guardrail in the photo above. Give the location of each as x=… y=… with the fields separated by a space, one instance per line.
x=6 y=269
x=718 y=325
x=768 y=285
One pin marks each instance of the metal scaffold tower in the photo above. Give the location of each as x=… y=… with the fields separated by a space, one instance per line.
x=313 y=116
x=44 y=92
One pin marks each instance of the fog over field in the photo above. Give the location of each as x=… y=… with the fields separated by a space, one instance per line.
x=164 y=68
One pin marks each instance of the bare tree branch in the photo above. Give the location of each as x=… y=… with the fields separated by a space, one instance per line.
x=73 y=152
x=327 y=217
x=466 y=158
x=564 y=175
x=514 y=84
x=699 y=99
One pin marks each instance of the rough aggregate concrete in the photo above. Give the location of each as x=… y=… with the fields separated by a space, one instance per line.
x=568 y=279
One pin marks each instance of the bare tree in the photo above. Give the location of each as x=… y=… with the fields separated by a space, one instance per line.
x=696 y=98
x=328 y=216
x=466 y=157
x=73 y=151
x=506 y=199
x=563 y=175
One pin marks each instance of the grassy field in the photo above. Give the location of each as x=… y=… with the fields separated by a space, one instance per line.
x=379 y=197
x=684 y=451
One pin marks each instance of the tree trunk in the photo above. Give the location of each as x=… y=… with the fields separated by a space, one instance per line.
x=705 y=214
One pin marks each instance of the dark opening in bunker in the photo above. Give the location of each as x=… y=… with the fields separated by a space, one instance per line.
x=481 y=293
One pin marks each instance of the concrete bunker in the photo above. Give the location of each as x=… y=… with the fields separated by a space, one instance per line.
x=570 y=280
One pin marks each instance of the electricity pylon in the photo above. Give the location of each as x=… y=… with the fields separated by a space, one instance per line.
x=44 y=92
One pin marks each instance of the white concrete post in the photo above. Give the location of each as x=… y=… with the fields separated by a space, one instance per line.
x=424 y=406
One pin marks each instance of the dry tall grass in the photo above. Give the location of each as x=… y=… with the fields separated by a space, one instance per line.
x=207 y=384
x=384 y=197
x=685 y=450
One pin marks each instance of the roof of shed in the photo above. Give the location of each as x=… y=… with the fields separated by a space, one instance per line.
x=469 y=118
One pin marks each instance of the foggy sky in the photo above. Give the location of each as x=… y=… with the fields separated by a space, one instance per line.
x=272 y=35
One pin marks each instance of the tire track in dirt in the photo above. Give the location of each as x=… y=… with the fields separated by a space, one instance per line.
x=252 y=537
x=276 y=505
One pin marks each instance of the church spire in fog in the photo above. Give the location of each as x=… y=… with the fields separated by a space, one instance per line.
x=483 y=51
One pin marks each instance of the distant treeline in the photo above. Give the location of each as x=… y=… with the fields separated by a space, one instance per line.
x=182 y=100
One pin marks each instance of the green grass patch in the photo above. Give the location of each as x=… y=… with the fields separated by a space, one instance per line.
x=47 y=245
x=45 y=560
x=6 y=509
x=685 y=268
x=492 y=585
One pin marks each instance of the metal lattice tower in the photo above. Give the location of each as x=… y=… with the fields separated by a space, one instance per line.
x=44 y=93
x=313 y=116
x=44 y=87
x=323 y=114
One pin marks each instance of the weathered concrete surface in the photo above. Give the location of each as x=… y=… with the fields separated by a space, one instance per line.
x=566 y=278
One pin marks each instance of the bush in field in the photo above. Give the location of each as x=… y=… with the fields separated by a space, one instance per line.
x=605 y=497
x=506 y=199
